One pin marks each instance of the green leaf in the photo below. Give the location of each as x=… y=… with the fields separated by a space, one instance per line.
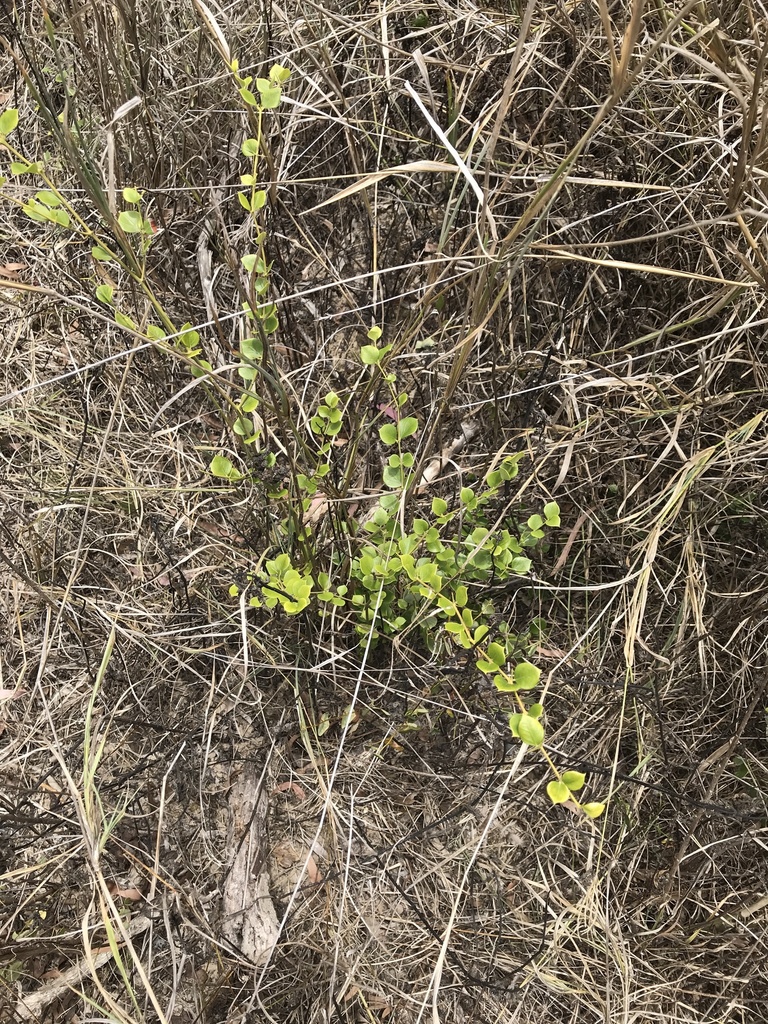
x=131 y=222
x=370 y=355
x=130 y=195
x=100 y=253
x=243 y=427
x=392 y=477
x=104 y=294
x=188 y=338
x=388 y=433
x=530 y=731
x=520 y=565
x=269 y=95
x=374 y=334
x=259 y=199
x=574 y=780
x=526 y=676
x=125 y=321
x=535 y=523
x=497 y=654
x=558 y=792
x=536 y=710
x=251 y=147
x=248 y=97
x=503 y=684
x=9 y=119
x=407 y=427
x=200 y=370
x=270 y=324
x=514 y=722
x=60 y=217
x=279 y=74
x=467 y=495
x=244 y=201
x=439 y=506
x=593 y=810
x=220 y=466
x=251 y=348
x=154 y=332
x=487 y=667
x=48 y=198
x=552 y=513
x=34 y=211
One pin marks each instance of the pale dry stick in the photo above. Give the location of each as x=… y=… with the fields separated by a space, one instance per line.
x=607 y=29
x=562 y=253
x=32 y=1007
x=712 y=69
x=469 y=430
x=342 y=907
x=215 y=33
x=329 y=788
x=119 y=114
x=160 y=820
x=437 y=973
x=385 y=50
x=672 y=443
x=248 y=921
x=92 y=846
x=506 y=93
x=571 y=540
x=709 y=795
x=462 y=166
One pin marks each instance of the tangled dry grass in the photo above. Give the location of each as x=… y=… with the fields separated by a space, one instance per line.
x=589 y=289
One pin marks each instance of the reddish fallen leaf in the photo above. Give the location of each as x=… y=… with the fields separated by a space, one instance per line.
x=131 y=893
x=10 y=694
x=389 y=411
x=291 y=787
x=318 y=506
x=550 y=652
x=314 y=874
x=12 y=269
